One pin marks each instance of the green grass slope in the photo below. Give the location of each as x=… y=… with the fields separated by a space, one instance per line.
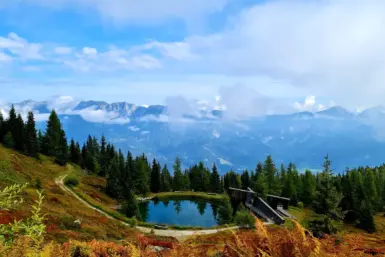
x=62 y=209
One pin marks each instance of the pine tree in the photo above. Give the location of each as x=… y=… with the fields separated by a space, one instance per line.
x=186 y=181
x=155 y=177
x=31 y=143
x=113 y=186
x=8 y=140
x=53 y=136
x=19 y=133
x=3 y=127
x=103 y=159
x=366 y=220
x=141 y=182
x=370 y=188
x=231 y=179
x=39 y=141
x=326 y=202
x=215 y=180
x=72 y=156
x=131 y=171
x=61 y=156
x=130 y=206
x=282 y=175
x=271 y=175
x=245 y=180
x=289 y=188
x=309 y=188
x=12 y=127
x=178 y=176
x=261 y=186
x=166 y=180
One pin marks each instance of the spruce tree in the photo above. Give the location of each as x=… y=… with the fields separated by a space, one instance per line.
x=113 y=185
x=31 y=143
x=53 y=136
x=370 y=188
x=155 y=181
x=260 y=186
x=271 y=175
x=326 y=202
x=289 y=188
x=186 y=185
x=19 y=134
x=141 y=183
x=215 y=180
x=131 y=171
x=166 y=180
x=61 y=156
x=103 y=158
x=366 y=220
x=8 y=140
x=130 y=206
x=309 y=188
x=3 y=127
x=39 y=140
x=11 y=124
x=178 y=176
x=245 y=180
x=73 y=157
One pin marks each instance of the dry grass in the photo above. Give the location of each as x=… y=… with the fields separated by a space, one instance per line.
x=62 y=208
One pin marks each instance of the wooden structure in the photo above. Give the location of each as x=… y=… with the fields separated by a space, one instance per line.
x=274 y=210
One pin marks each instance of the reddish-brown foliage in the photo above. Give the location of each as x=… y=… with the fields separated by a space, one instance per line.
x=103 y=220
x=144 y=242
x=7 y=217
x=52 y=228
x=54 y=199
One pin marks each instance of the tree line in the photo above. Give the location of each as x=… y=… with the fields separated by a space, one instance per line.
x=354 y=196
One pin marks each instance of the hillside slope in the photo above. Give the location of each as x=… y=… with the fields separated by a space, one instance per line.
x=62 y=209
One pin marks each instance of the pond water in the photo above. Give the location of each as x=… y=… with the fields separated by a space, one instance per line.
x=198 y=213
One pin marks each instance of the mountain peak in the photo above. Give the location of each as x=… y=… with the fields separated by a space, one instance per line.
x=336 y=111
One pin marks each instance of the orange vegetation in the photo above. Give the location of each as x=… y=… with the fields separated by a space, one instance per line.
x=263 y=241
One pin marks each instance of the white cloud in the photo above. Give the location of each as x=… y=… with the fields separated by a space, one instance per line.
x=63 y=50
x=4 y=57
x=330 y=47
x=134 y=128
x=240 y=102
x=89 y=51
x=175 y=50
x=20 y=47
x=310 y=105
x=101 y=116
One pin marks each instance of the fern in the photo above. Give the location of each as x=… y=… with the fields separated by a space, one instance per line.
x=10 y=196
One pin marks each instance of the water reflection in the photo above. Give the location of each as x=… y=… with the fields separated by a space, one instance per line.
x=180 y=212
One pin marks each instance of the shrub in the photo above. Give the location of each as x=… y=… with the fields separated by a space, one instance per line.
x=225 y=212
x=68 y=222
x=37 y=183
x=71 y=180
x=244 y=219
x=300 y=205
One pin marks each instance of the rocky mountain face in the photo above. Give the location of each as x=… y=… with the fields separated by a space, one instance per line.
x=350 y=139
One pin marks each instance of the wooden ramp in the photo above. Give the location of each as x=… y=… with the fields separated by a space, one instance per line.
x=257 y=205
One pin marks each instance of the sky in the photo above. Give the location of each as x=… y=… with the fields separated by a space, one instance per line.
x=308 y=54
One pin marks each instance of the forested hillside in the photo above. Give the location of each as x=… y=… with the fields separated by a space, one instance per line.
x=353 y=197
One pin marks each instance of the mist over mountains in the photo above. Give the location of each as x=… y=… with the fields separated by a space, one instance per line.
x=208 y=134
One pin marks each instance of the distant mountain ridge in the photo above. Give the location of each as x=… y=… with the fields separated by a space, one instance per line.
x=350 y=139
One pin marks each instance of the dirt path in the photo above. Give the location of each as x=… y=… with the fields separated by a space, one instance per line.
x=179 y=234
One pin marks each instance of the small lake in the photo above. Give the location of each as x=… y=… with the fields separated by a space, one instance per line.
x=198 y=213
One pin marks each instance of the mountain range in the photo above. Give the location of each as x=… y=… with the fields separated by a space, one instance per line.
x=304 y=138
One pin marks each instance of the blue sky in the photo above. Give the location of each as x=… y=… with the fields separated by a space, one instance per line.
x=146 y=51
